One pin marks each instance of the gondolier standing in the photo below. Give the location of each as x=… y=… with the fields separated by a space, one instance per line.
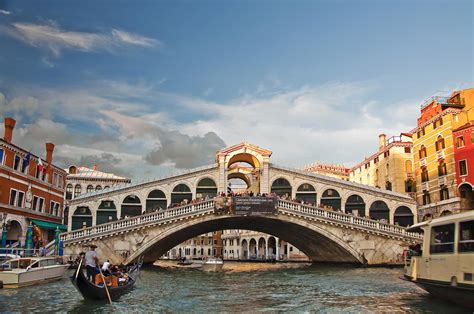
x=91 y=262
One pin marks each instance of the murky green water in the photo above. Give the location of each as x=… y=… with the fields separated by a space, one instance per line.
x=315 y=289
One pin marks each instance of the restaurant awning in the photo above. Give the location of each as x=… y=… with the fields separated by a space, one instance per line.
x=48 y=225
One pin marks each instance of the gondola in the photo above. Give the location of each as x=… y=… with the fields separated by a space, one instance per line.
x=91 y=291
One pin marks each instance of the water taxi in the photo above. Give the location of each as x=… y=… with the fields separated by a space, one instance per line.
x=25 y=271
x=445 y=264
x=213 y=264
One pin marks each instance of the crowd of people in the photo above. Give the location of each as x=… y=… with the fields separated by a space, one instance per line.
x=106 y=270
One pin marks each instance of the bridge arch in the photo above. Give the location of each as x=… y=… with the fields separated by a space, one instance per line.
x=106 y=212
x=332 y=197
x=317 y=243
x=131 y=206
x=403 y=216
x=355 y=203
x=181 y=192
x=156 y=199
x=306 y=192
x=82 y=217
x=281 y=186
x=379 y=210
x=246 y=158
x=206 y=186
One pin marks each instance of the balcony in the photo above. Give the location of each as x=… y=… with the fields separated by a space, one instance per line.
x=423 y=162
x=442 y=180
x=424 y=186
x=440 y=154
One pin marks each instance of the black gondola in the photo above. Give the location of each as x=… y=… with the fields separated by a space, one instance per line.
x=91 y=291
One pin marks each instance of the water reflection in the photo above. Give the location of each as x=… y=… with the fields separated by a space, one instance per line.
x=315 y=288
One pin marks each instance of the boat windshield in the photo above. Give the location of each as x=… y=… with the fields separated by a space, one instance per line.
x=18 y=263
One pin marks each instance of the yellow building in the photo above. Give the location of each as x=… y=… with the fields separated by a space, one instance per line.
x=433 y=145
x=390 y=168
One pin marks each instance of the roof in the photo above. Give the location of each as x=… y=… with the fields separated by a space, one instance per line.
x=84 y=172
x=464 y=127
x=260 y=150
x=444 y=219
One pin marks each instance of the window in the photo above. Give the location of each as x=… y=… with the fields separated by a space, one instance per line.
x=54 y=208
x=442 y=169
x=466 y=236
x=77 y=190
x=16 y=163
x=437 y=123
x=424 y=175
x=69 y=191
x=426 y=198
x=460 y=141
x=463 y=167
x=443 y=193
x=89 y=189
x=439 y=143
x=98 y=188
x=13 y=194
x=386 y=154
x=422 y=152
x=376 y=160
x=442 y=239
x=408 y=150
x=472 y=137
x=38 y=203
x=1 y=156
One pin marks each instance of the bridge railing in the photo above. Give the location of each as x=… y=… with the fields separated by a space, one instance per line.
x=149 y=218
x=348 y=219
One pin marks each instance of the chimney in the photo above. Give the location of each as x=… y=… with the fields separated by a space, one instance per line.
x=382 y=140
x=9 y=126
x=49 y=152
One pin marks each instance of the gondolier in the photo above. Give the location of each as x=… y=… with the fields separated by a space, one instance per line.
x=91 y=262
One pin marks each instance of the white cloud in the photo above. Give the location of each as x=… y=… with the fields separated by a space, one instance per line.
x=5 y=12
x=54 y=39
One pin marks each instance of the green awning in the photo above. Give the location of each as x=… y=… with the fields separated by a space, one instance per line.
x=49 y=225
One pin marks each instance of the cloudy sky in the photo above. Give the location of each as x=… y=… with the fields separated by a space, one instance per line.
x=148 y=88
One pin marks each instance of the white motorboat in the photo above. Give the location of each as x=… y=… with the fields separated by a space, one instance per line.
x=25 y=271
x=213 y=264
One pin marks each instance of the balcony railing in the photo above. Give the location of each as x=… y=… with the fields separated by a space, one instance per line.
x=438 y=99
x=440 y=154
x=425 y=186
x=423 y=162
x=442 y=180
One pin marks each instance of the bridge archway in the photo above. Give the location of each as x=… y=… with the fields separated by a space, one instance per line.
x=180 y=193
x=206 y=187
x=245 y=158
x=131 y=206
x=82 y=217
x=318 y=244
x=106 y=212
x=355 y=205
x=245 y=249
x=331 y=198
x=379 y=210
x=281 y=187
x=403 y=216
x=156 y=200
x=306 y=193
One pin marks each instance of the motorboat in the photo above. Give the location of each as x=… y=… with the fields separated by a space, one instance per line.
x=213 y=264
x=444 y=265
x=25 y=271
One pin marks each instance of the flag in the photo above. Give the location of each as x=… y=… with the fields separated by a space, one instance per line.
x=40 y=165
x=26 y=161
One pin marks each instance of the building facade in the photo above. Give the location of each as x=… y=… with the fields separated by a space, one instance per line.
x=330 y=170
x=434 y=152
x=390 y=168
x=31 y=191
x=464 y=163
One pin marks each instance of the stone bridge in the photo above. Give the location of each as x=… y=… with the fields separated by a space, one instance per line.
x=323 y=235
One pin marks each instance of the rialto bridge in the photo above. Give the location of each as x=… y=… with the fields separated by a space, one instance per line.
x=132 y=220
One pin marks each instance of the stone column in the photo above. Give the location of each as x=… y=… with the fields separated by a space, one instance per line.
x=277 y=248
x=266 y=249
x=265 y=176
x=222 y=180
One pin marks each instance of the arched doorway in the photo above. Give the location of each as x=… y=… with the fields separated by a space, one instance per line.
x=379 y=211
x=246 y=168
x=206 y=188
x=261 y=248
x=281 y=187
x=156 y=200
x=81 y=218
x=14 y=231
x=252 y=249
x=106 y=212
x=272 y=251
x=467 y=196
x=331 y=199
x=403 y=216
x=244 y=249
x=306 y=193
x=180 y=193
x=355 y=205
x=131 y=206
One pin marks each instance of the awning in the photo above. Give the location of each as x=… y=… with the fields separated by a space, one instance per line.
x=49 y=225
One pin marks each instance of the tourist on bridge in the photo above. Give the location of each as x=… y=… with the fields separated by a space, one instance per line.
x=91 y=262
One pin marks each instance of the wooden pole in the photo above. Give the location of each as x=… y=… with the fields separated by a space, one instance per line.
x=105 y=285
x=78 y=269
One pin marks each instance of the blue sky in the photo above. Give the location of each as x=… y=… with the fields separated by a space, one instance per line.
x=145 y=88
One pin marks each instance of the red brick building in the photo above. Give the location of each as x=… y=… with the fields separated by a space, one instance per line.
x=30 y=191
x=464 y=159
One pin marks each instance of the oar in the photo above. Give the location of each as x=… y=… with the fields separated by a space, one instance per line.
x=78 y=269
x=105 y=285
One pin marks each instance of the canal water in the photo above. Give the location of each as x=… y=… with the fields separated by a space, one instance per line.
x=315 y=288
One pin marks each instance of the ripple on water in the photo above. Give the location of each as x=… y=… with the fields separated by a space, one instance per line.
x=315 y=288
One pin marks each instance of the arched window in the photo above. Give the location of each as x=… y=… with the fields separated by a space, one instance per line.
x=460 y=141
x=98 y=188
x=206 y=187
x=81 y=218
x=410 y=186
x=422 y=152
x=69 y=191
x=442 y=169
x=388 y=185
x=379 y=211
x=106 y=212
x=131 y=206
x=331 y=199
x=281 y=187
x=77 y=190
x=306 y=193
x=180 y=193
x=106 y=187
x=90 y=188
x=408 y=167
x=439 y=143
x=403 y=216
x=355 y=205
x=156 y=200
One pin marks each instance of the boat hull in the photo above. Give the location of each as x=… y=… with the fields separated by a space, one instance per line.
x=21 y=277
x=461 y=294
x=213 y=267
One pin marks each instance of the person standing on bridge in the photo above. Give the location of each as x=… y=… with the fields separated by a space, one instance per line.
x=91 y=262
